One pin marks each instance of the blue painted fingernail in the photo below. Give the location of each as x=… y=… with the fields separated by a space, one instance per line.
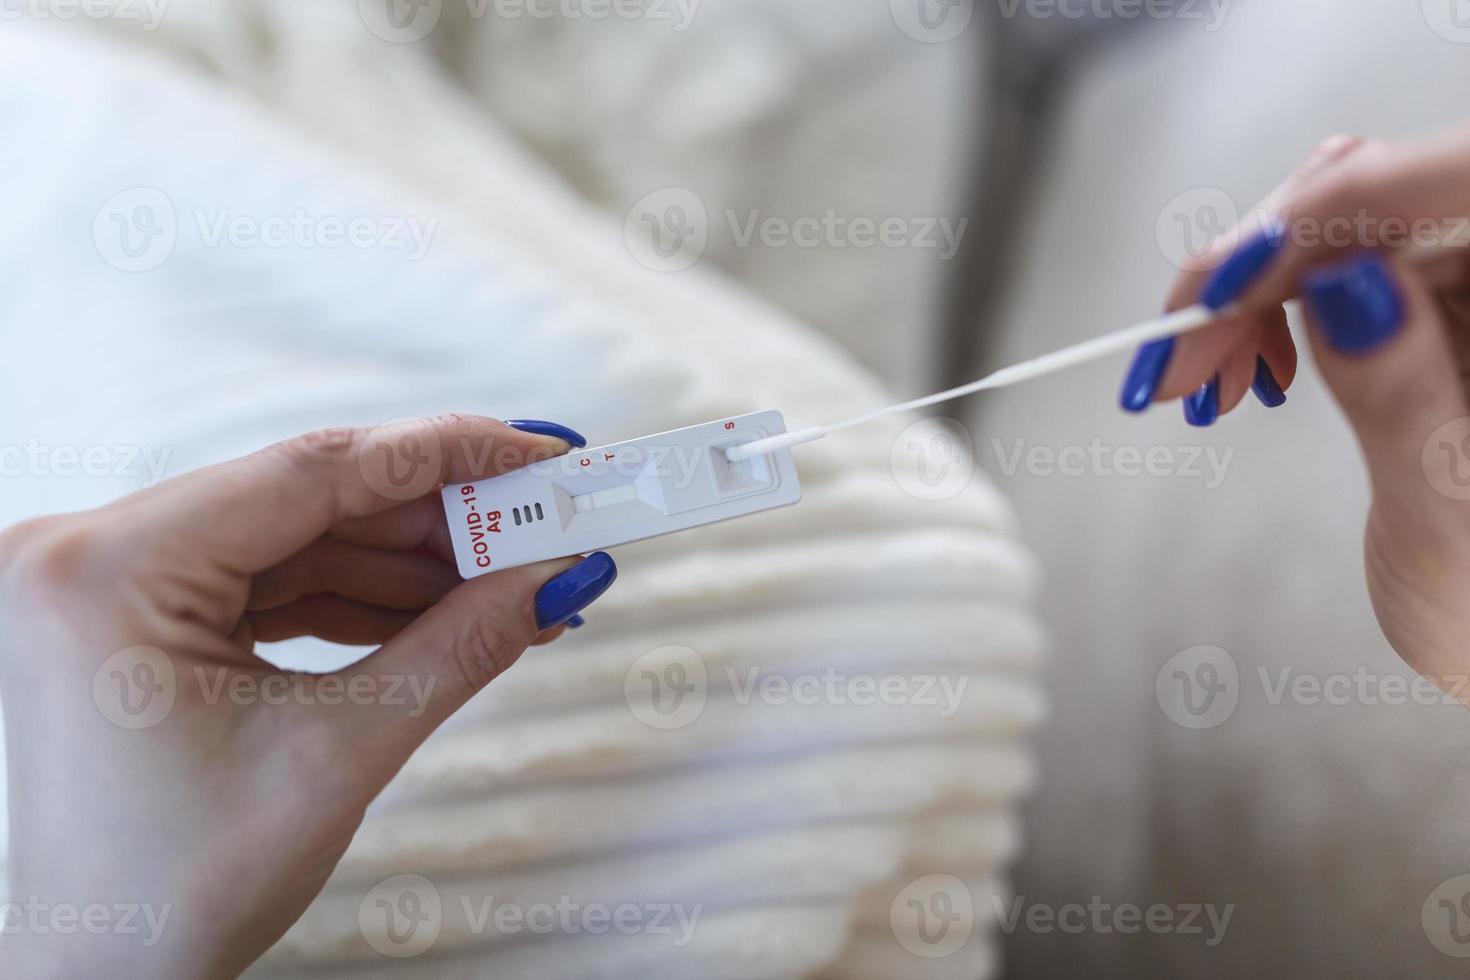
x=1202 y=408
x=1266 y=387
x=576 y=623
x=1146 y=373
x=1242 y=269
x=571 y=437
x=1357 y=303
x=574 y=590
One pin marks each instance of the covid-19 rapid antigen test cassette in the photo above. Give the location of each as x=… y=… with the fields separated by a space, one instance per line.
x=600 y=498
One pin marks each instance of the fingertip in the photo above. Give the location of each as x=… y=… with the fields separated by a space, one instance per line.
x=552 y=430
x=475 y=447
x=1141 y=384
x=1202 y=409
x=1268 y=390
x=555 y=633
x=575 y=589
x=1358 y=304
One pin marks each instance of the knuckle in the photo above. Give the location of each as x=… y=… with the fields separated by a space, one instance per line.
x=14 y=541
x=486 y=648
x=1332 y=192
x=1297 y=190
x=45 y=558
x=1334 y=147
x=1350 y=183
x=324 y=447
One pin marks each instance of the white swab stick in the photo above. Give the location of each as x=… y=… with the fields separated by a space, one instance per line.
x=1173 y=324
x=1170 y=325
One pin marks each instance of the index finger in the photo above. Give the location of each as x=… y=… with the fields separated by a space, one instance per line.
x=1412 y=196
x=1200 y=355
x=252 y=513
x=1396 y=196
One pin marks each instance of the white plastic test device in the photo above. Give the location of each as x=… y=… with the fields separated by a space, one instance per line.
x=600 y=498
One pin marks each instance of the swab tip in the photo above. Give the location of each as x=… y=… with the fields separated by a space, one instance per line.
x=771 y=444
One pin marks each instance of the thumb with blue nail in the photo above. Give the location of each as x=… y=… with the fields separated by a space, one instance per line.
x=1374 y=240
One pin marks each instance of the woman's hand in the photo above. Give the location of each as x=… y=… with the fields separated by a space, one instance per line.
x=1392 y=340
x=157 y=764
